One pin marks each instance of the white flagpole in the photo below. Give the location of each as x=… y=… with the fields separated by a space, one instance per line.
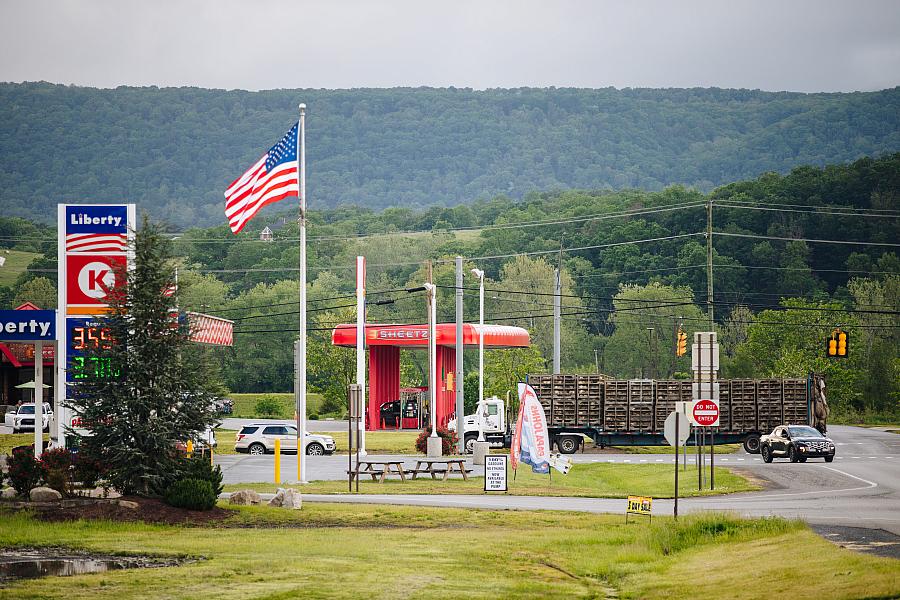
x=301 y=345
x=361 y=346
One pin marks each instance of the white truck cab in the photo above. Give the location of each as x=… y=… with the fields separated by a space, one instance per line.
x=489 y=419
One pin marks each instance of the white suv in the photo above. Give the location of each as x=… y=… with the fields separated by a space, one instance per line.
x=259 y=438
x=23 y=418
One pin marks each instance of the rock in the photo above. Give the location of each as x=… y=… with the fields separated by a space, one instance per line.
x=244 y=498
x=44 y=494
x=8 y=493
x=278 y=499
x=128 y=504
x=292 y=499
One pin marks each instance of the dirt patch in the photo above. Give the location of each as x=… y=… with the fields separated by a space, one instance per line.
x=149 y=510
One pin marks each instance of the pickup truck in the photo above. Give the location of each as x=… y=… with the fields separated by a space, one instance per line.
x=23 y=418
x=796 y=443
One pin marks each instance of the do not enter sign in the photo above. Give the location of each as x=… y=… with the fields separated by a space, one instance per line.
x=706 y=413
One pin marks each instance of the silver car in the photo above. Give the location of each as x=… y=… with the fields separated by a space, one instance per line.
x=259 y=438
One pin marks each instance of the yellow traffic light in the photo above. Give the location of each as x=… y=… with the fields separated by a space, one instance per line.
x=837 y=345
x=681 y=345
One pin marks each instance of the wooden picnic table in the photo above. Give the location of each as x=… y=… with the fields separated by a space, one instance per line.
x=444 y=466
x=379 y=468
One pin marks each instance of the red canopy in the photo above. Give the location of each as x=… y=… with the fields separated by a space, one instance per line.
x=495 y=336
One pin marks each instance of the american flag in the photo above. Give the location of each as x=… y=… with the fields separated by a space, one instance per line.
x=96 y=242
x=274 y=177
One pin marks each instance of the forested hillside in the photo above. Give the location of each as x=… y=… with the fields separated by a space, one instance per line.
x=173 y=151
x=794 y=257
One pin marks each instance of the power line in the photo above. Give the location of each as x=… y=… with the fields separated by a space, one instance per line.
x=786 y=239
x=808 y=212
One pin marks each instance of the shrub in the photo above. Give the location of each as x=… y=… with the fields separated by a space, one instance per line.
x=25 y=472
x=199 y=467
x=56 y=465
x=448 y=440
x=192 y=494
x=268 y=406
x=88 y=469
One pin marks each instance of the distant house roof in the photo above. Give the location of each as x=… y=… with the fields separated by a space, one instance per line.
x=27 y=306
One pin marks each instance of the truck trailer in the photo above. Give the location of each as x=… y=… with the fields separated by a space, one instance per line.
x=633 y=412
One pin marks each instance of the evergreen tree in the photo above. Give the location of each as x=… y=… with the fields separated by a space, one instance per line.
x=148 y=386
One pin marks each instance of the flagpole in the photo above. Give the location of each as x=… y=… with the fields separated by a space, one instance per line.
x=301 y=343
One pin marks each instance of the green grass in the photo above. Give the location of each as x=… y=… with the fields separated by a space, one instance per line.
x=366 y=551
x=8 y=441
x=16 y=262
x=594 y=480
x=245 y=405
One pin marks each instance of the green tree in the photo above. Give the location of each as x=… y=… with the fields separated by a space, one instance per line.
x=40 y=291
x=148 y=388
x=505 y=368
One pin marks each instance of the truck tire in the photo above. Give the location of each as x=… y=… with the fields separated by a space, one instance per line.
x=567 y=444
x=469 y=442
x=751 y=443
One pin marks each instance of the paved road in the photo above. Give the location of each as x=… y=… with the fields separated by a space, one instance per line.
x=860 y=489
x=335 y=426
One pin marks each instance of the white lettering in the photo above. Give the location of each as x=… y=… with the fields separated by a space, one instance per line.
x=10 y=327
x=45 y=329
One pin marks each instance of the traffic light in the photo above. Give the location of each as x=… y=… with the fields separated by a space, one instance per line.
x=837 y=345
x=681 y=343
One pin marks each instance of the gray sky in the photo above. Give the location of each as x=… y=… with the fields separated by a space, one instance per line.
x=799 y=45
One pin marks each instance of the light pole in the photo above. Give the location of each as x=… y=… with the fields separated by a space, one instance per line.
x=480 y=275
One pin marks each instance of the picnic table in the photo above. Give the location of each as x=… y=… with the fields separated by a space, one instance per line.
x=378 y=469
x=445 y=466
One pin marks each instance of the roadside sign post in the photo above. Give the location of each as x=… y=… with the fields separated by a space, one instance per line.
x=676 y=431
x=354 y=393
x=495 y=473
x=705 y=391
x=38 y=399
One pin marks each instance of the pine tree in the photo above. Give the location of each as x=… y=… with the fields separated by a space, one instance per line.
x=148 y=386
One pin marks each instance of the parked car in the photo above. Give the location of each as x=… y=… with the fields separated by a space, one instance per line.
x=390 y=413
x=259 y=438
x=23 y=418
x=797 y=443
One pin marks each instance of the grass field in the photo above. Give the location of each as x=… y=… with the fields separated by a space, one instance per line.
x=366 y=551
x=592 y=480
x=720 y=449
x=16 y=262
x=8 y=441
x=245 y=404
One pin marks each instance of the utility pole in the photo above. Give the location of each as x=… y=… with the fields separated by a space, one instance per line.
x=557 y=317
x=461 y=444
x=709 y=262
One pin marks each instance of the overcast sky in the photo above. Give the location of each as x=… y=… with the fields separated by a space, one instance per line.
x=808 y=45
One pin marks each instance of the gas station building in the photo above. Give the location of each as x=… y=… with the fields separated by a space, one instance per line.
x=384 y=343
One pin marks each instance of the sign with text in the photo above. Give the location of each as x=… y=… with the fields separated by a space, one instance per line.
x=495 y=473
x=93 y=255
x=639 y=505
x=706 y=413
x=28 y=325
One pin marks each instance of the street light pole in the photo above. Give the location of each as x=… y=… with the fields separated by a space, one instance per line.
x=480 y=275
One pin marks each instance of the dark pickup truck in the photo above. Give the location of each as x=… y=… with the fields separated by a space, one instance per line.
x=797 y=443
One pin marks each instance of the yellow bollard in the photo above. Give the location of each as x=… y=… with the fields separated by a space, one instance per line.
x=190 y=448
x=277 y=460
x=212 y=462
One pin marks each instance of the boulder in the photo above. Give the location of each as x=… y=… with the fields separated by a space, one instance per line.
x=244 y=498
x=292 y=499
x=278 y=499
x=44 y=494
x=8 y=493
x=128 y=504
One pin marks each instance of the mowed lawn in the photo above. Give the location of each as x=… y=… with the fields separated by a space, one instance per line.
x=16 y=262
x=592 y=480
x=366 y=551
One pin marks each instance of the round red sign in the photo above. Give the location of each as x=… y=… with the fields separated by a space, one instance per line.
x=706 y=413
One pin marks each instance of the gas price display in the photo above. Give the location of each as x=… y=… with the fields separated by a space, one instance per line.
x=85 y=336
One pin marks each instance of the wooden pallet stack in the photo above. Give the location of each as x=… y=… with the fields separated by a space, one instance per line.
x=615 y=405
x=641 y=396
x=742 y=402
x=770 y=404
x=565 y=400
x=668 y=392
x=543 y=387
x=589 y=394
x=795 y=403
